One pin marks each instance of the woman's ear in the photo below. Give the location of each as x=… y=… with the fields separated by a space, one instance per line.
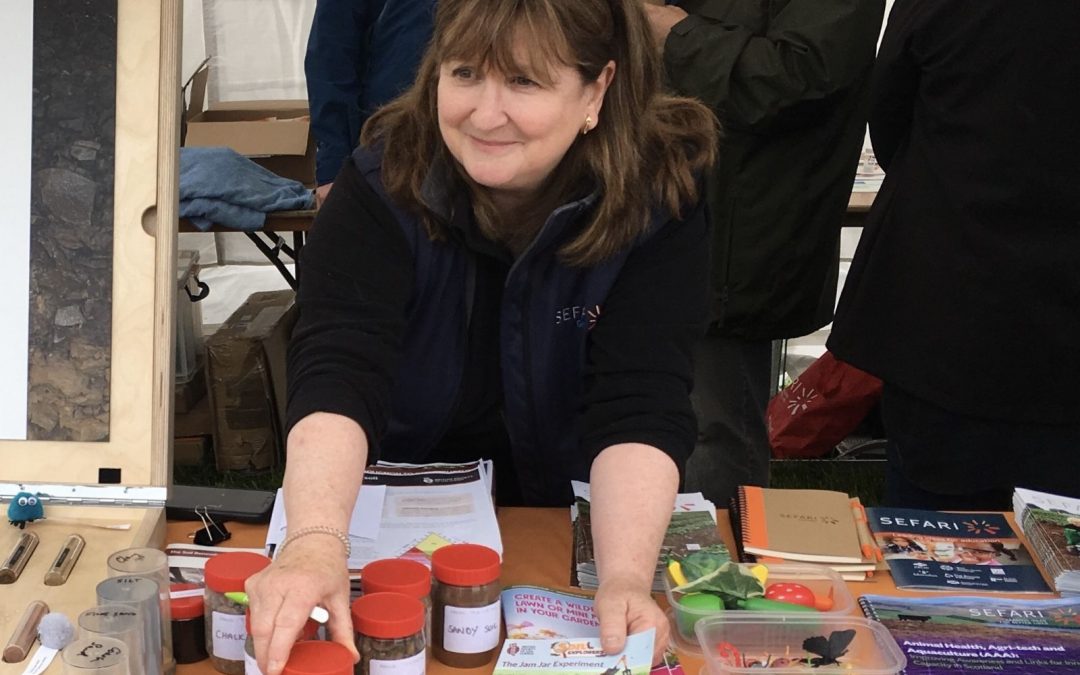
x=599 y=88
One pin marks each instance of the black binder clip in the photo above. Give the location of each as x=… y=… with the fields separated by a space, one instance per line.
x=211 y=533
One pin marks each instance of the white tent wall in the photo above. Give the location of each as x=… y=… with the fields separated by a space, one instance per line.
x=257 y=52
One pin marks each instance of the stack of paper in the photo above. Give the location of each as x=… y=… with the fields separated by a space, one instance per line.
x=692 y=528
x=410 y=510
x=1051 y=524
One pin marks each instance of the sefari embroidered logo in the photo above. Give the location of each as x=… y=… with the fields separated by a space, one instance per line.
x=579 y=316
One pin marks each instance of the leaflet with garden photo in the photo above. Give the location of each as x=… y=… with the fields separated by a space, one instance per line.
x=935 y=550
x=558 y=628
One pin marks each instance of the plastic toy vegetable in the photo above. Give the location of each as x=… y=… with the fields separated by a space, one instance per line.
x=791 y=592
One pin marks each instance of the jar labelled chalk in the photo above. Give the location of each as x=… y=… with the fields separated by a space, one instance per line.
x=226 y=631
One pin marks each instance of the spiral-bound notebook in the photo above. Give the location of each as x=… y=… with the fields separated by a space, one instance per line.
x=967 y=634
x=801 y=525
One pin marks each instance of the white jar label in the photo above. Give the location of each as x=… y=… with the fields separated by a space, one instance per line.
x=413 y=665
x=471 y=630
x=229 y=635
x=251 y=666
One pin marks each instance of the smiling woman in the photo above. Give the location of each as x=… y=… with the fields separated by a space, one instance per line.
x=512 y=265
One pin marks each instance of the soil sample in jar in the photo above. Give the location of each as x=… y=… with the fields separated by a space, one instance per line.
x=225 y=627
x=466 y=613
x=188 y=624
x=319 y=658
x=397 y=575
x=389 y=634
x=251 y=666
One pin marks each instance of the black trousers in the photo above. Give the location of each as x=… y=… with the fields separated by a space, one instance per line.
x=731 y=391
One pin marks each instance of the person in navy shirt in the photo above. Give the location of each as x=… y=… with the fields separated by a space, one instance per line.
x=360 y=55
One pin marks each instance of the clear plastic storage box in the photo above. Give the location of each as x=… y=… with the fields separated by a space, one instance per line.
x=809 y=643
x=823 y=582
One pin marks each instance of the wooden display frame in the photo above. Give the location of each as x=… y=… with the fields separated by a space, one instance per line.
x=141 y=385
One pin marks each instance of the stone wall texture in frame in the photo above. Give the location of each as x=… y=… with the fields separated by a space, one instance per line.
x=71 y=228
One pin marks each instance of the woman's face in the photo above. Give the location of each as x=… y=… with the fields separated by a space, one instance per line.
x=508 y=130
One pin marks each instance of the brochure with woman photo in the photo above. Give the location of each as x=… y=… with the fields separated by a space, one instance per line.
x=935 y=550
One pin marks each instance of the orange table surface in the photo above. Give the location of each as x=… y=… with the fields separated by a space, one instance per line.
x=536 y=545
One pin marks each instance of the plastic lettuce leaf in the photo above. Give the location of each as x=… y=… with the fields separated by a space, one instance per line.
x=730 y=581
x=701 y=563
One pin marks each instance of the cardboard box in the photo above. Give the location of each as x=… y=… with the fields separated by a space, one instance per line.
x=190 y=450
x=273 y=134
x=245 y=372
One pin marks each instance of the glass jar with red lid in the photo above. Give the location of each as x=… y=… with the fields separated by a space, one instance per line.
x=466 y=612
x=389 y=634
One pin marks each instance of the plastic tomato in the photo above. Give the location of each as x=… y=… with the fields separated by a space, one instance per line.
x=790 y=592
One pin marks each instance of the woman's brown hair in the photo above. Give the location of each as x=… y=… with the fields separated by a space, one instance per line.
x=644 y=153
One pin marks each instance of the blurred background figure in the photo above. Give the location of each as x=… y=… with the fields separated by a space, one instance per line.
x=964 y=293
x=360 y=55
x=789 y=80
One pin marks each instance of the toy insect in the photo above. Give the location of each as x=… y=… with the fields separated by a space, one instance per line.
x=828 y=650
x=25 y=508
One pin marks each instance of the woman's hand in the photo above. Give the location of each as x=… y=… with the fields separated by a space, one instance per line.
x=624 y=608
x=310 y=571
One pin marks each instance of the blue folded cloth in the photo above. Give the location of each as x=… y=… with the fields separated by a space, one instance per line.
x=219 y=185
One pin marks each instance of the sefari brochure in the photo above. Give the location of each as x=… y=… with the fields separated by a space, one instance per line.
x=552 y=620
x=410 y=510
x=957 y=552
x=959 y=634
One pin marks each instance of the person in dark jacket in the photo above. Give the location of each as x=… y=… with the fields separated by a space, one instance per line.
x=789 y=80
x=512 y=265
x=964 y=293
x=360 y=55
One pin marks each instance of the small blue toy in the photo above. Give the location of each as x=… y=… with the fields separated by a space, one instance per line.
x=25 y=508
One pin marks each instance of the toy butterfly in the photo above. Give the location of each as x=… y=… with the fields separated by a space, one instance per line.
x=828 y=650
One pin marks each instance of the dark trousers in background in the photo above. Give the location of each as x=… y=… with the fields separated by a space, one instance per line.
x=942 y=460
x=731 y=391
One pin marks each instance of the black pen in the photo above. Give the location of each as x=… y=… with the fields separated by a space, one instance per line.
x=13 y=566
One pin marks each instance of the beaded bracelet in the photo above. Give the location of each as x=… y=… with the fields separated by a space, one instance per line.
x=318 y=529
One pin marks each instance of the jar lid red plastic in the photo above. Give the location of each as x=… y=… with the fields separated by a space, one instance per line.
x=186 y=608
x=227 y=572
x=465 y=565
x=387 y=616
x=396 y=575
x=319 y=658
x=310 y=632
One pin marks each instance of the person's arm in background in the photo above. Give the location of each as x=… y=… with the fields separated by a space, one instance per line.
x=638 y=423
x=896 y=81
x=333 y=66
x=358 y=277
x=749 y=69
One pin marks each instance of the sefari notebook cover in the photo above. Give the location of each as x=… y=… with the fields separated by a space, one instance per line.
x=803 y=525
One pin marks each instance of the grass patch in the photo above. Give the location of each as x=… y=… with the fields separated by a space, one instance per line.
x=862 y=478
